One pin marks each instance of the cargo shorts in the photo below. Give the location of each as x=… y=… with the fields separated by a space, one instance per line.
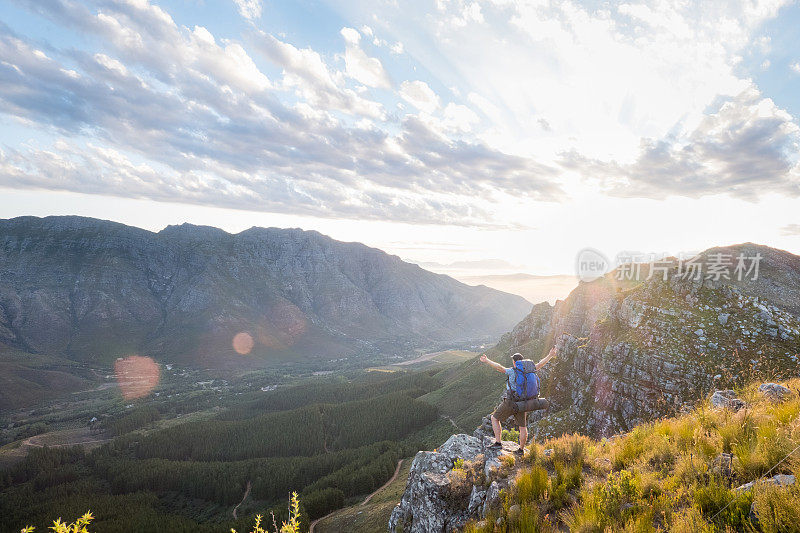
x=506 y=409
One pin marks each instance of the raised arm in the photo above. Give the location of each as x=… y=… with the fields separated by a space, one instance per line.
x=496 y=366
x=544 y=361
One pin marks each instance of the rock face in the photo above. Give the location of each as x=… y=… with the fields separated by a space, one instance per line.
x=435 y=501
x=631 y=350
x=91 y=289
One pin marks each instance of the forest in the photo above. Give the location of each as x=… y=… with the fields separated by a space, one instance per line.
x=332 y=440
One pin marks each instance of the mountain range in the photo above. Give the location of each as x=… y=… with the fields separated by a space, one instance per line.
x=92 y=290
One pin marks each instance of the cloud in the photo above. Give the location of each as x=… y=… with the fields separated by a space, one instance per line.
x=306 y=72
x=162 y=114
x=150 y=108
x=460 y=13
x=746 y=148
x=795 y=66
x=459 y=118
x=790 y=230
x=249 y=9
x=420 y=95
x=605 y=76
x=361 y=67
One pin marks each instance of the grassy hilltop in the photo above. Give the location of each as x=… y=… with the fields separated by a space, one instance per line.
x=680 y=474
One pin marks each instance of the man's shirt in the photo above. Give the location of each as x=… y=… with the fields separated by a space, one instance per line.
x=509 y=377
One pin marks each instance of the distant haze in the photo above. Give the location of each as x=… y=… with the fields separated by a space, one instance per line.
x=535 y=289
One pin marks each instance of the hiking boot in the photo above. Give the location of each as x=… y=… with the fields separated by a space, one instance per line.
x=496 y=445
x=519 y=451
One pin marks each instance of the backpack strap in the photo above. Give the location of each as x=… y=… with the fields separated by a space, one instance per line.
x=524 y=381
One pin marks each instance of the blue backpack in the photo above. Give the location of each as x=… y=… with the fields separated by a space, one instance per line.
x=526 y=381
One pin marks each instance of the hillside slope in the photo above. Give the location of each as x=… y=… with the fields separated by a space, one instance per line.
x=93 y=290
x=730 y=464
x=631 y=350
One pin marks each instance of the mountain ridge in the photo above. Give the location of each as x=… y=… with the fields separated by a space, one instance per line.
x=95 y=289
x=633 y=350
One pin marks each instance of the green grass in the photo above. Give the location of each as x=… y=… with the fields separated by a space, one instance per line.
x=666 y=475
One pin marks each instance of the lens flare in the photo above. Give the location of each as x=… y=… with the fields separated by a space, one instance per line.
x=242 y=343
x=136 y=376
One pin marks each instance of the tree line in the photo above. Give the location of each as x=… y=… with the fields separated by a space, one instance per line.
x=186 y=477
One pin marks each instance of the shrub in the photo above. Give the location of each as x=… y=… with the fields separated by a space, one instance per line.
x=585 y=517
x=620 y=488
x=570 y=449
x=292 y=525
x=459 y=486
x=531 y=453
x=531 y=485
x=570 y=476
x=78 y=526
x=604 y=506
x=642 y=523
x=529 y=520
x=506 y=464
x=628 y=448
x=777 y=508
x=690 y=520
x=786 y=412
x=567 y=478
x=724 y=506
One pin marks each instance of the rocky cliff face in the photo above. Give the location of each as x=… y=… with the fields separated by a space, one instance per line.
x=630 y=351
x=91 y=289
x=447 y=487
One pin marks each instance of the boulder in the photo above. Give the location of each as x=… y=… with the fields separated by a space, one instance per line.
x=476 y=500
x=774 y=392
x=427 y=505
x=493 y=496
x=726 y=399
x=723 y=465
x=781 y=480
x=492 y=455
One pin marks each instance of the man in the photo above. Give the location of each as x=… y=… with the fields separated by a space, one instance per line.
x=506 y=409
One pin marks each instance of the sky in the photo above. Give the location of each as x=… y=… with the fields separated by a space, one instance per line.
x=498 y=136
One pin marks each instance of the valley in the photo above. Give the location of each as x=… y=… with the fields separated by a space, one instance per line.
x=201 y=443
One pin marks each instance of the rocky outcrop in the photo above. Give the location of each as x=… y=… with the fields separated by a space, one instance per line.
x=774 y=392
x=634 y=350
x=726 y=399
x=533 y=326
x=92 y=289
x=438 y=500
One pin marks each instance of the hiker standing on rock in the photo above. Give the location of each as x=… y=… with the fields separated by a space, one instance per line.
x=522 y=386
